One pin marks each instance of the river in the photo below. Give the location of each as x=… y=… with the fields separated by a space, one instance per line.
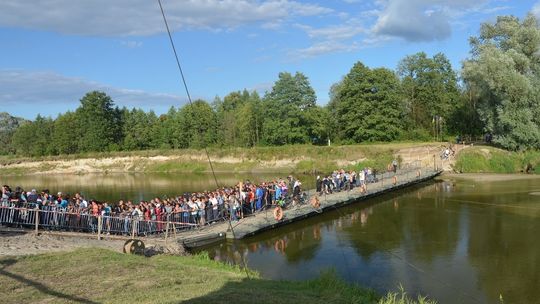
x=454 y=240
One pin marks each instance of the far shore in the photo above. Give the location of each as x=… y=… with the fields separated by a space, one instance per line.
x=285 y=159
x=488 y=177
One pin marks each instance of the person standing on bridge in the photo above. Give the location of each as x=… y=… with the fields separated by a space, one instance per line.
x=394 y=165
x=259 y=197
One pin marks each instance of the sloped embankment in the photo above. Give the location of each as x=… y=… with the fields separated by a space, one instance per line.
x=286 y=159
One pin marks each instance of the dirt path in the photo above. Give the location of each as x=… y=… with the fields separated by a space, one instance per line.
x=428 y=156
x=15 y=243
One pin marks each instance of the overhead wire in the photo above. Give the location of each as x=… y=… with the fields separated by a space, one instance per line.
x=184 y=82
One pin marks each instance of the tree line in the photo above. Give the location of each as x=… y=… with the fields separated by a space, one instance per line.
x=498 y=93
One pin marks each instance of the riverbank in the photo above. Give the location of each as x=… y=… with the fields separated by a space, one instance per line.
x=486 y=159
x=488 y=177
x=284 y=159
x=96 y=275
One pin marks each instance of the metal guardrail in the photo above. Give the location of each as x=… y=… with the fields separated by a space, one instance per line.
x=58 y=219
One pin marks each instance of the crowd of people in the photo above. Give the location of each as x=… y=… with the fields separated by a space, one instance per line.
x=188 y=209
x=341 y=180
x=76 y=212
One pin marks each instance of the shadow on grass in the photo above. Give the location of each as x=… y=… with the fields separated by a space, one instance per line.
x=325 y=290
x=42 y=288
x=246 y=291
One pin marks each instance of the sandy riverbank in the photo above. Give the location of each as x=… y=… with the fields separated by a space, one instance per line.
x=488 y=177
x=285 y=159
x=16 y=244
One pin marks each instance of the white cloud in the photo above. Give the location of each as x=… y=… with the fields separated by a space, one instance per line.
x=143 y=17
x=47 y=88
x=536 y=9
x=322 y=48
x=334 y=33
x=422 y=20
x=331 y=39
x=495 y=9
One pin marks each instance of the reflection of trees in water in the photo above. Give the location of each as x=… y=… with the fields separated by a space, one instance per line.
x=505 y=250
x=371 y=234
x=296 y=246
x=230 y=253
x=302 y=245
x=502 y=248
x=430 y=230
x=417 y=224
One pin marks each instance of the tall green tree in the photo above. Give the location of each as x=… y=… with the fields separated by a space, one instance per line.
x=285 y=110
x=100 y=123
x=197 y=125
x=366 y=105
x=317 y=118
x=504 y=66
x=227 y=114
x=249 y=120
x=160 y=132
x=465 y=120
x=169 y=131
x=34 y=138
x=66 y=133
x=8 y=125
x=430 y=88
x=138 y=129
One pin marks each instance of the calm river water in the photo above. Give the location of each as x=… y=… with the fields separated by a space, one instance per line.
x=454 y=240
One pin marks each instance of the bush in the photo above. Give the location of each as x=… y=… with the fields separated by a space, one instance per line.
x=416 y=135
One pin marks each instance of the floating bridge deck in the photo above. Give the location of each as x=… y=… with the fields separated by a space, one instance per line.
x=265 y=220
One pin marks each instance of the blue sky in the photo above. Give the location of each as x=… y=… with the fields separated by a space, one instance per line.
x=53 y=52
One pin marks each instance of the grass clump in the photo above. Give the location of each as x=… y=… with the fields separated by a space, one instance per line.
x=401 y=297
x=102 y=276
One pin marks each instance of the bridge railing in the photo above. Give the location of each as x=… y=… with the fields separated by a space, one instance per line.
x=58 y=219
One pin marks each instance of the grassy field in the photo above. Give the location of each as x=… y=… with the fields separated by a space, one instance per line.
x=484 y=159
x=285 y=159
x=102 y=276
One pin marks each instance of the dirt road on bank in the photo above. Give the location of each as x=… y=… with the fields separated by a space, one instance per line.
x=16 y=243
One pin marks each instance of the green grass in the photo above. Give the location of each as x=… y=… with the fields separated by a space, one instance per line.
x=312 y=166
x=102 y=276
x=492 y=160
x=173 y=167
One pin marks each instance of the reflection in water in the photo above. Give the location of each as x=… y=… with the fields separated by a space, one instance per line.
x=427 y=238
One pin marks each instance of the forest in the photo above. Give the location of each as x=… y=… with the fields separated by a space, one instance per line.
x=496 y=92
